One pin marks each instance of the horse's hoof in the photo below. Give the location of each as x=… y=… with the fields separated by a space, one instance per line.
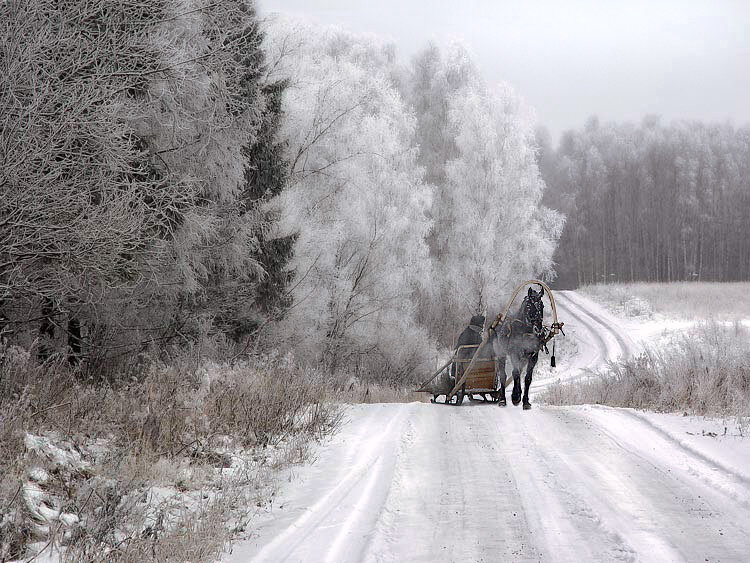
x=502 y=403
x=527 y=406
x=515 y=402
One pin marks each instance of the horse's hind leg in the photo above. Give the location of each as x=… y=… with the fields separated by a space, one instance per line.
x=527 y=380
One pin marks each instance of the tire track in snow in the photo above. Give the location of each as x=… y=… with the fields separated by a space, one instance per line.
x=586 y=359
x=651 y=491
x=626 y=348
x=358 y=513
x=453 y=497
x=565 y=529
x=581 y=322
x=345 y=498
x=722 y=477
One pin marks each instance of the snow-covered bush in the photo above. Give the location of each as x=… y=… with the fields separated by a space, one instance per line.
x=127 y=470
x=704 y=372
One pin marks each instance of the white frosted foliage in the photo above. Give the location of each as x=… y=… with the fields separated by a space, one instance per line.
x=356 y=199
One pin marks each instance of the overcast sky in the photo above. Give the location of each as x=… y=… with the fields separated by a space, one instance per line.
x=618 y=59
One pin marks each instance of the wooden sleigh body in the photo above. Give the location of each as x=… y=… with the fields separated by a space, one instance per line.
x=481 y=381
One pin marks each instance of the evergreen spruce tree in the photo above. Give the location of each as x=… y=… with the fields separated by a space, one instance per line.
x=248 y=304
x=266 y=176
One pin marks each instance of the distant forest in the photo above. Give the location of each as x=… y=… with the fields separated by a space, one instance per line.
x=650 y=202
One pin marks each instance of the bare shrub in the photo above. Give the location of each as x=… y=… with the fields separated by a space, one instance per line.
x=198 y=536
x=704 y=372
x=266 y=404
x=152 y=467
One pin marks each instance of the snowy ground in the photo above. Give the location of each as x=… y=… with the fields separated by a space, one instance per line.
x=423 y=482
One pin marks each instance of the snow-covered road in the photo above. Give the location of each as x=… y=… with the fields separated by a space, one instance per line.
x=424 y=482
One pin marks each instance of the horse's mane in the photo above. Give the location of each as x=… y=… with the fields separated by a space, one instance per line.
x=518 y=314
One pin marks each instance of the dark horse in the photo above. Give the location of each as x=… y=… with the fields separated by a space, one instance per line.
x=520 y=337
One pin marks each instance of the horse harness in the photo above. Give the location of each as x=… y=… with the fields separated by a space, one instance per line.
x=544 y=334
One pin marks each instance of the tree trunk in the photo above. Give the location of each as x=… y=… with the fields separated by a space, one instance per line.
x=46 y=330
x=74 y=341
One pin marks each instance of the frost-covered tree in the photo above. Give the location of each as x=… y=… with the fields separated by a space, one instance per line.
x=500 y=233
x=122 y=172
x=82 y=199
x=430 y=82
x=199 y=116
x=356 y=201
x=490 y=230
x=250 y=304
x=80 y=196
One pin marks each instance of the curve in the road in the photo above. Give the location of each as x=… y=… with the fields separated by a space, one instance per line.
x=571 y=298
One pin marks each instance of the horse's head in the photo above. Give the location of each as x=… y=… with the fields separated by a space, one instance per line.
x=532 y=309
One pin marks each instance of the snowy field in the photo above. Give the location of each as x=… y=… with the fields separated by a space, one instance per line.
x=676 y=300
x=424 y=482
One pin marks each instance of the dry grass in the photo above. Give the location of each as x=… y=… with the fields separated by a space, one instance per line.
x=705 y=371
x=683 y=300
x=362 y=392
x=155 y=468
x=164 y=466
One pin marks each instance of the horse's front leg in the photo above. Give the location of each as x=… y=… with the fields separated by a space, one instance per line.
x=515 y=395
x=501 y=380
x=527 y=380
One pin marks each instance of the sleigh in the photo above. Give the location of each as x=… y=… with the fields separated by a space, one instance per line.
x=470 y=372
